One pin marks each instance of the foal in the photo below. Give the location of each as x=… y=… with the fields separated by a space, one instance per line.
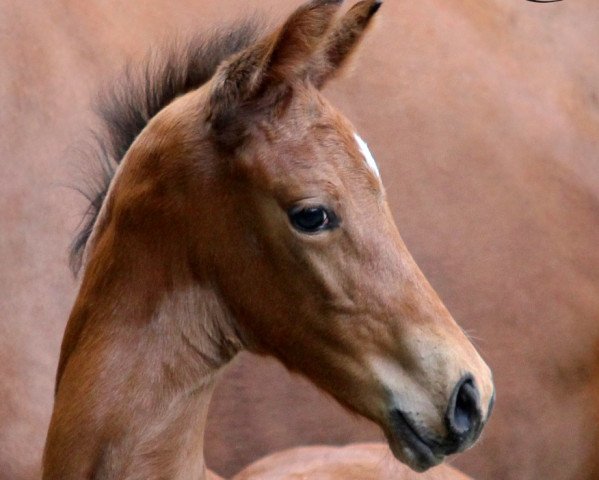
x=248 y=213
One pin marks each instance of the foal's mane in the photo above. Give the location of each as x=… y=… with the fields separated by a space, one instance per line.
x=126 y=107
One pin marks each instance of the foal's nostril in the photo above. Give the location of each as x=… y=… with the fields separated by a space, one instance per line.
x=464 y=415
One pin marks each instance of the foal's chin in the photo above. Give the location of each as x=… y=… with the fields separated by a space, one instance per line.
x=410 y=449
x=414 y=444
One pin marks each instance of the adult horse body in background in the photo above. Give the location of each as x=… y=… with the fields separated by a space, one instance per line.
x=487 y=135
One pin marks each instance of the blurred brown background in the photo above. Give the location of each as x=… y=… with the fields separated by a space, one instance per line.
x=484 y=117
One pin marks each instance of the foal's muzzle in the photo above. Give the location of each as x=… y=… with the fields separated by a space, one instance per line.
x=464 y=421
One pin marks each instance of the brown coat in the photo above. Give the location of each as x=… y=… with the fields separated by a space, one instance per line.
x=496 y=113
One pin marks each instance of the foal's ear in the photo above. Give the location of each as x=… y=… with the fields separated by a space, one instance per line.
x=342 y=41
x=277 y=57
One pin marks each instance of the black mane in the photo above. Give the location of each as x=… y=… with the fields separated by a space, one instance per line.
x=126 y=108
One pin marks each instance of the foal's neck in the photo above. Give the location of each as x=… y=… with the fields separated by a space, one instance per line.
x=137 y=372
x=148 y=332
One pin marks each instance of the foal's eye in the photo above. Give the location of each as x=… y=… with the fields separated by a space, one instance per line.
x=312 y=219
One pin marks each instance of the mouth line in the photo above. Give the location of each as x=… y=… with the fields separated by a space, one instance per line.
x=424 y=451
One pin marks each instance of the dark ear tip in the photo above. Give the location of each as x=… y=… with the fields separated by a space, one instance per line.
x=375 y=7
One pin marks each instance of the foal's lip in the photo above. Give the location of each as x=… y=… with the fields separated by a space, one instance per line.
x=422 y=452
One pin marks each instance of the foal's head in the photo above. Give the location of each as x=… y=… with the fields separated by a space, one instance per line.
x=266 y=194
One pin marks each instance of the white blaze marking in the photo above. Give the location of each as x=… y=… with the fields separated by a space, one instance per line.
x=367 y=155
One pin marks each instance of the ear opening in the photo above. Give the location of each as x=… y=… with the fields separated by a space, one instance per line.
x=276 y=58
x=342 y=42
